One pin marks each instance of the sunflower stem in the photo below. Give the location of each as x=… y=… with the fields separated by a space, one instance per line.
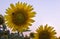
x=4 y=26
x=18 y=33
x=22 y=34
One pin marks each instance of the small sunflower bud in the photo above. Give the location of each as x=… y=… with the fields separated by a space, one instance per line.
x=1 y=19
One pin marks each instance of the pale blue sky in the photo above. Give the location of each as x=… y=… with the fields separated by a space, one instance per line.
x=48 y=12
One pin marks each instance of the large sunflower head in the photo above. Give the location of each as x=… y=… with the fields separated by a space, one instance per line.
x=45 y=32
x=19 y=16
x=1 y=19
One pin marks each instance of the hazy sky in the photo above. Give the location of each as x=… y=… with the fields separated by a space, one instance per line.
x=48 y=12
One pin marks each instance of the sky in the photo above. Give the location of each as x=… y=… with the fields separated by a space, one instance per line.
x=47 y=12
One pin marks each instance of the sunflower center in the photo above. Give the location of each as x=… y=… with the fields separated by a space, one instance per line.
x=44 y=35
x=18 y=18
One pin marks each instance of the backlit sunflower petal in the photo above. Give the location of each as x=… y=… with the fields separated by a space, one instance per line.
x=32 y=14
x=29 y=24
x=31 y=21
x=29 y=8
x=53 y=32
x=18 y=5
x=46 y=26
x=25 y=4
x=12 y=6
x=9 y=25
x=50 y=28
x=41 y=27
x=7 y=17
x=8 y=11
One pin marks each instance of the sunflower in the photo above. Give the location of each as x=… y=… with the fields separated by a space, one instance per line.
x=45 y=32
x=19 y=16
x=1 y=19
